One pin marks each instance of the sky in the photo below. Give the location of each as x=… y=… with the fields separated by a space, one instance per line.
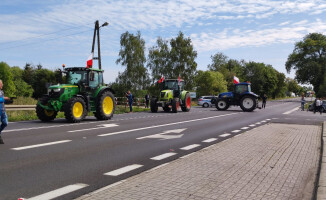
x=56 y=32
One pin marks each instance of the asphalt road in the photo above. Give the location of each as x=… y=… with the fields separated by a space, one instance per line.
x=64 y=161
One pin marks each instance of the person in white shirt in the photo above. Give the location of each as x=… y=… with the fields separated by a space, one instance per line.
x=318 y=106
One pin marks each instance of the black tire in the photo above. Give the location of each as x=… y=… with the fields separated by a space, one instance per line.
x=222 y=104
x=154 y=106
x=186 y=103
x=248 y=103
x=43 y=114
x=166 y=108
x=105 y=106
x=175 y=105
x=79 y=113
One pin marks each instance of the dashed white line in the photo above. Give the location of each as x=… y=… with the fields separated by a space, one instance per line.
x=236 y=131
x=59 y=192
x=290 y=111
x=163 y=156
x=210 y=140
x=190 y=147
x=40 y=145
x=102 y=126
x=252 y=125
x=244 y=128
x=225 y=135
x=123 y=170
x=258 y=123
x=263 y=121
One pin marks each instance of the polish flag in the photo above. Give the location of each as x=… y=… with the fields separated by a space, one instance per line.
x=90 y=61
x=235 y=80
x=162 y=79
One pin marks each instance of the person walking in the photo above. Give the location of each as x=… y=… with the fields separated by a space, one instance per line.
x=303 y=101
x=264 y=101
x=130 y=100
x=3 y=116
x=147 y=100
x=318 y=106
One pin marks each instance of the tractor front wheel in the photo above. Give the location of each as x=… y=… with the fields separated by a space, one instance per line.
x=75 y=109
x=175 y=105
x=248 y=103
x=222 y=104
x=187 y=103
x=154 y=106
x=105 y=106
x=43 y=114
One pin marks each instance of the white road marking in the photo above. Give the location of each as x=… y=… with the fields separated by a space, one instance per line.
x=123 y=170
x=290 y=111
x=252 y=125
x=263 y=121
x=268 y=119
x=163 y=156
x=163 y=125
x=59 y=192
x=186 y=148
x=163 y=135
x=244 y=128
x=225 y=135
x=210 y=140
x=40 y=145
x=258 y=123
x=102 y=126
x=235 y=131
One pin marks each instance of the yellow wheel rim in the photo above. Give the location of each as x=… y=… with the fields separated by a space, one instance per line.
x=49 y=113
x=77 y=110
x=107 y=105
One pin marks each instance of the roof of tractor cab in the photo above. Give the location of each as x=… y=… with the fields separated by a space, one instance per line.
x=243 y=83
x=83 y=69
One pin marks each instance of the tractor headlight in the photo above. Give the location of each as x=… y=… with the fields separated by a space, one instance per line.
x=57 y=90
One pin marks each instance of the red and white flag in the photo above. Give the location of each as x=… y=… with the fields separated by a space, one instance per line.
x=179 y=83
x=161 y=80
x=235 y=80
x=90 y=61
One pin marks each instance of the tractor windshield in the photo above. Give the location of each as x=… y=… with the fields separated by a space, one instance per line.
x=75 y=77
x=172 y=85
x=242 y=88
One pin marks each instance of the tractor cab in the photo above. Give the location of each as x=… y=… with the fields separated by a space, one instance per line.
x=241 y=88
x=85 y=78
x=173 y=85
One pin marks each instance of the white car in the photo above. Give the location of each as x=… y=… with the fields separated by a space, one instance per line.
x=205 y=101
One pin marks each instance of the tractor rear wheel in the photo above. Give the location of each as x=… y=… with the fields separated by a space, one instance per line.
x=154 y=106
x=175 y=105
x=43 y=114
x=75 y=109
x=105 y=106
x=222 y=104
x=187 y=103
x=248 y=103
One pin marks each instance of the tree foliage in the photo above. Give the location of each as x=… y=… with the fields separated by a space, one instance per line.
x=174 y=60
x=7 y=79
x=210 y=83
x=309 y=60
x=132 y=56
x=22 y=88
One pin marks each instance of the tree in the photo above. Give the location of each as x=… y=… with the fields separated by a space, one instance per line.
x=183 y=57
x=309 y=60
x=22 y=88
x=132 y=56
x=280 y=90
x=210 y=83
x=159 y=61
x=219 y=60
x=7 y=79
x=41 y=79
x=28 y=73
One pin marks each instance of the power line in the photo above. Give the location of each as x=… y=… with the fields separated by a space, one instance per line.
x=32 y=43
x=42 y=35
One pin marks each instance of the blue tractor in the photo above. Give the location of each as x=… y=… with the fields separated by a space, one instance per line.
x=242 y=96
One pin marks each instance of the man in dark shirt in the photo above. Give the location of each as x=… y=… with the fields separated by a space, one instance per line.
x=130 y=100
x=264 y=101
x=3 y=116
x=147 y=100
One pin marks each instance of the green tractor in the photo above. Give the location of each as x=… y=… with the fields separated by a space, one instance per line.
x=83 y=92
x=172 y=96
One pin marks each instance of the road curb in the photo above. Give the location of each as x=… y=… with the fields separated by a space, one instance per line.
x=320 y=184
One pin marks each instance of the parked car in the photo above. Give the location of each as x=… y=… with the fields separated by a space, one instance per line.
x=205 y=101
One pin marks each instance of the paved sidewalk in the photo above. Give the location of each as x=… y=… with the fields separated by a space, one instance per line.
x=274 y=161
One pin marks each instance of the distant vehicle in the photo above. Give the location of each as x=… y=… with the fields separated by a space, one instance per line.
x=205 y=101
x=312 y=106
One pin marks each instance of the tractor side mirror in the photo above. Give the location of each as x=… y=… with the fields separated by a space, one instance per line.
x=91 y=77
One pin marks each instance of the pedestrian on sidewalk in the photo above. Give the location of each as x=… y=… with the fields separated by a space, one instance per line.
x=130 y=100
x=3 y=116
x=147 y=100
x=264 y=101
x=303 y=101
